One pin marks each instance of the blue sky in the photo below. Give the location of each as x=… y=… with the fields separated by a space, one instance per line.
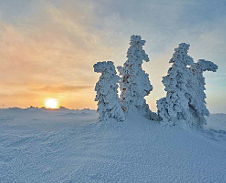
x=48 y=47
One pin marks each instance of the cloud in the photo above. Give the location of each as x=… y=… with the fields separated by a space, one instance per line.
x=52 y=46
x=53 y=50
x=60 y=89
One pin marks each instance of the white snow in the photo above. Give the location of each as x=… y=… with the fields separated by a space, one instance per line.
x=197 y=96
x=135 y=83
x=107 y=92
x=174 y=108
x=184 y=104
x=38 y=145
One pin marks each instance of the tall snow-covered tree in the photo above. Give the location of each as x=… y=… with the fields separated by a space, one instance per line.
x=197 y=103
x=174 y=108
x=135 y=84
x=107 y=92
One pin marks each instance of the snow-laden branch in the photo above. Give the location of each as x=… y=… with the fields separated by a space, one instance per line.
x=197 y=97
x=174 y=108
x=107 y=92
x=135 y=83
x=184 y=104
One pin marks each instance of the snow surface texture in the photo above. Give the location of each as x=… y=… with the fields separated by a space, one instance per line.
x=184 y=104
x=107 y=92
x=135 y=84
x=67 y=146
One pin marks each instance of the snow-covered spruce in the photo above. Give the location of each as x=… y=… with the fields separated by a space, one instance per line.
x=197 y=103
x=135 y=84
x=107 y=94
x=174 y=108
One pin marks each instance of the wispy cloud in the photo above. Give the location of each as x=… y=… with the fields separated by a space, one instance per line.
x=60 y=88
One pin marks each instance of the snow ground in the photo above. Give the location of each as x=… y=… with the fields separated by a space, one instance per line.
x=68 y=146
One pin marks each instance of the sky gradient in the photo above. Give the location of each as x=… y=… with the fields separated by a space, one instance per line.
x=48 y=48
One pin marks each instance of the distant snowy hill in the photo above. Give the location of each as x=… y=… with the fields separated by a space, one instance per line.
x=217 y=121
x=38 y=145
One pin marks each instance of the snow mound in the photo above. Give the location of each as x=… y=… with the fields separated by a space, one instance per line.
x=38 y=145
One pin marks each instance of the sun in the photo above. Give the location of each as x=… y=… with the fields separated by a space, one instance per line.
x=51 y=103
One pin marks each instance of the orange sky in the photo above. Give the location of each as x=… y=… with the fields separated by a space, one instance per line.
x=40 y=59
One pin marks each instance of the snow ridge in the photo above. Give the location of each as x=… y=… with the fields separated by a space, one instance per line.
x=38 y=145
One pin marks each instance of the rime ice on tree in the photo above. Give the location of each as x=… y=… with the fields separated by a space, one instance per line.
x=135 y=84
x=107 y=93
x=197 y=101
x=174 y=108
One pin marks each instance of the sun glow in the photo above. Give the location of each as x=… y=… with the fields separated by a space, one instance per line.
x=51 y=103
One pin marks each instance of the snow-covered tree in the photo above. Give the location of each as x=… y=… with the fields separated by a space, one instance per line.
x=107 y=92
x=174 y=108
x=197 y=103
x=135 y=84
